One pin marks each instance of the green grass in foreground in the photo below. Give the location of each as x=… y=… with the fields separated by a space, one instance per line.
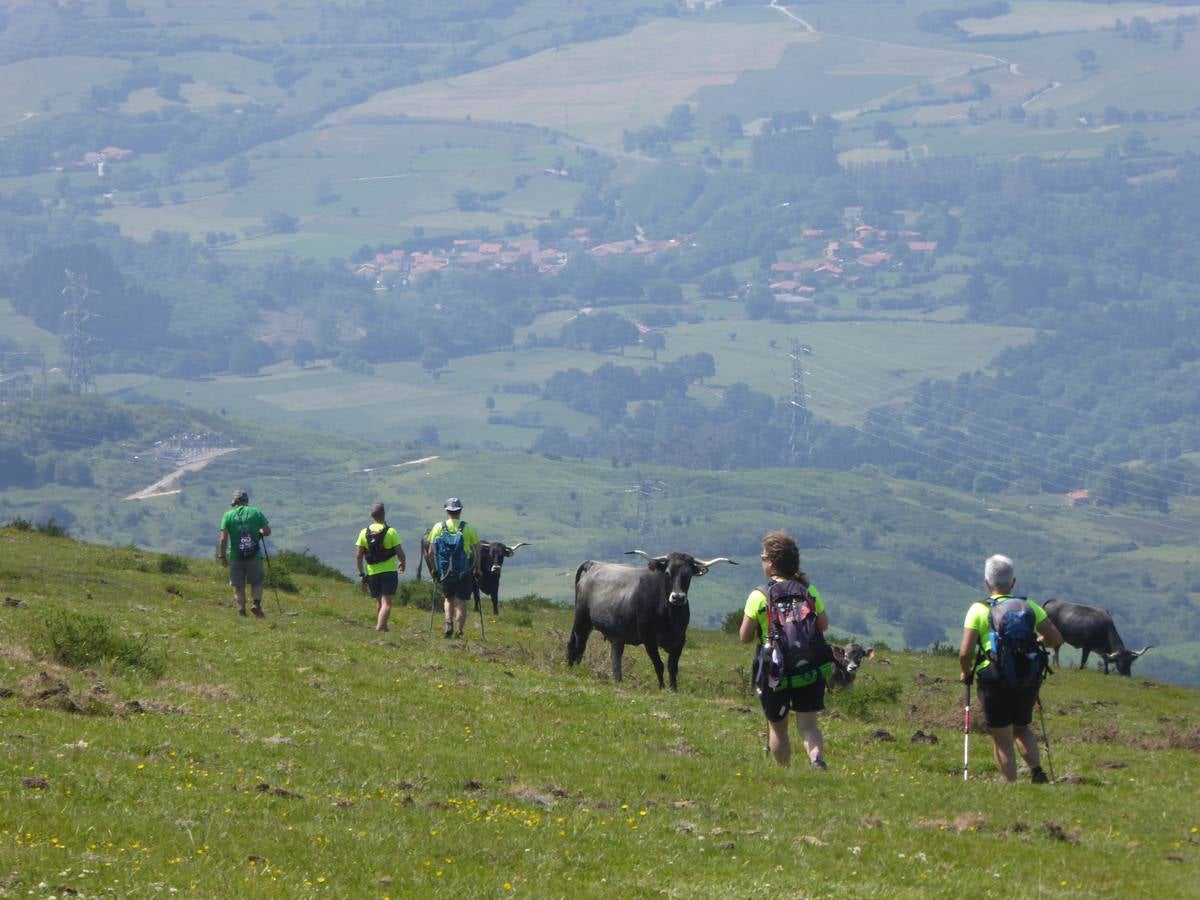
x=306 y=754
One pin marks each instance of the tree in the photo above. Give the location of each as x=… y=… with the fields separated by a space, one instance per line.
x=247 y=356
x=725 y=130
x=237 y=172
x=434 y=358
x=303 y=352
x=805 y=153
x=760 y=302
x=1086 y=59
x=717 y=283
x=655 y=341
x=679 y=122
x=698 y=366
x=280 y=222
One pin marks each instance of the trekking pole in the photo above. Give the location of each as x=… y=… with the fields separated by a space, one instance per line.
x=271 y=576
x=1045 y=736
x=432 y=603
x=967 y=730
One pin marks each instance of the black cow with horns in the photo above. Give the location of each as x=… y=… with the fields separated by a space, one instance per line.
x=631 y=605
x=1091 y=629
x=488 y=563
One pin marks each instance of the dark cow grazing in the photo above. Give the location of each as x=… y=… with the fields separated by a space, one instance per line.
x=488 y=563
x=846 y=661
x=631 y=605
x=489 y=560
x=1091 y=629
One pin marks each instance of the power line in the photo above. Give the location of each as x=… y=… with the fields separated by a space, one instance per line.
x=78 y=339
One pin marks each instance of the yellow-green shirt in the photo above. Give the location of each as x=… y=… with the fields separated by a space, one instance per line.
x=390 y=540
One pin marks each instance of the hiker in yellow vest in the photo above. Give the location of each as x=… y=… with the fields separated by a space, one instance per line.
x=380 y=561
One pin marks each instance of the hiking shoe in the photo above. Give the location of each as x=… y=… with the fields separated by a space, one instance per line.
x=818 y=764
x=449 y=632
x=458 y=633
x=258 y=613
x=241 y=610
x=1037 y=776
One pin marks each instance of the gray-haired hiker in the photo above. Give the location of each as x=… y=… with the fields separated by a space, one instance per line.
x=240 y=548
x=452 y=546
x=1004 y=651
x=380 y=560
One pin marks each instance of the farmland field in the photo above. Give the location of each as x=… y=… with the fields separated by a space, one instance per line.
x=855 y=365
x=364 y=182
x=59 y=83
x=596 y=90
x=1048 y=16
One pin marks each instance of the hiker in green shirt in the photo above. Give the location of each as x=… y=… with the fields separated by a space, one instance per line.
x=240 y=548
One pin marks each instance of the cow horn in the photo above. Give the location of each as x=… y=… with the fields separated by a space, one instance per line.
x=657 y=559
x=514 y=547
x=1143 y=650
x=706 y=564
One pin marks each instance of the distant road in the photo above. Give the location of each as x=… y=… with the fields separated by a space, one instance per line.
x=163 y=486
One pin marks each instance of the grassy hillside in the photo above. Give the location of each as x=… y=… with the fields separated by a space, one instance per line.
x=308 y=755
x=899 y=558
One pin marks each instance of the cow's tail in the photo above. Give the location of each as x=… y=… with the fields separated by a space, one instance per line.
x=582 y=627
x=420 y=563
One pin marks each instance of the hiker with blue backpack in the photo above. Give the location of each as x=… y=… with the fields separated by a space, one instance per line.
x=1004 y=651
x=380 y=561
x=452 y=546
x=240 y=547
x=794 y=661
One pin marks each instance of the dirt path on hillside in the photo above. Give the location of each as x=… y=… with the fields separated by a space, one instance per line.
x=163 y=486
x=411 y=462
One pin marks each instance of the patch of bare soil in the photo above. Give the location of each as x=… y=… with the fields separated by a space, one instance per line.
x=48 y=691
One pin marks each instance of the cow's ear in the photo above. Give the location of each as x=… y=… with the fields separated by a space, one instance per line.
x=701 y=569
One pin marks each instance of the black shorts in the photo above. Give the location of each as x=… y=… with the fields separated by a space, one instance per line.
x=458 y=588
x=384 y=584
x=777 y=704
x=1004 y=706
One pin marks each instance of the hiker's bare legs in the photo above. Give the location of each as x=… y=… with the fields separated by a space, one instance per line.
x=1002 y=749
x=384 y=604
x=1026 y=741
x=810 y=734
x=779 y=742
x=456 y=613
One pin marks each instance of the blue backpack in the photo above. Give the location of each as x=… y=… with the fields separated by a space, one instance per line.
x=1016 y=657
x=450 y=557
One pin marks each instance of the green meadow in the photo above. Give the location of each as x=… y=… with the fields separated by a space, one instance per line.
x=855 y=365
x=154 y=742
